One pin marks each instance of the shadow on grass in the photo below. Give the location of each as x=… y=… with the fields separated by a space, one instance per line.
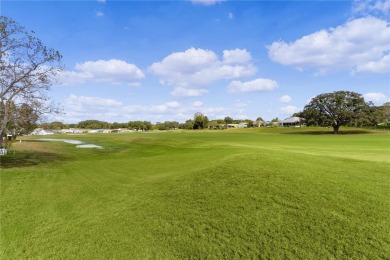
x=330 y=132
x=27 y=159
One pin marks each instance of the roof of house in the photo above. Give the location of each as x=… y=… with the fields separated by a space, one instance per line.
x=291 y=120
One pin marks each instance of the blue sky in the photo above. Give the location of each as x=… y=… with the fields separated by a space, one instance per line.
x=166 y=60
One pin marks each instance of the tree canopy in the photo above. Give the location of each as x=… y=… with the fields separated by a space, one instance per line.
x=228 y=120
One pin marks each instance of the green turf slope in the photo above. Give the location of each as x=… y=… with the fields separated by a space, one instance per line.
x=256 y=193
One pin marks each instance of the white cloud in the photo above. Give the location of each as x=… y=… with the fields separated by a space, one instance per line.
x=376 y=97
x=206 y=2
x=256 y=85
x=103 y=71
x=369 y=6
x=202 y=67
x=380 y=66
x=350 y=46
x=79 y=108
x=230 y=16
x=99 y=13
x=236 y=56
x=173 y=104
x=197 y=104
x=77 y=101
x=285 y=99
x=101 y=1
x=289 y=110
x=188 y=92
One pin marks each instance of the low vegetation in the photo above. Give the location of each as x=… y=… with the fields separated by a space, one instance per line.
x=240 y=193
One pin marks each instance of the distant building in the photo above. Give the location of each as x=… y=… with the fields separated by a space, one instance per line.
x=73 y=131
x=122 y=130
x=232 y=125
x=293 y=122
x=95 y=131
x=41 y=131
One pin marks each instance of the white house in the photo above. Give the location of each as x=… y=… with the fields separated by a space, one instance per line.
x=41 y=131
x=123 y=130
x=232 y=125
x=293 y=121
x=242 y=125
x=73 y=131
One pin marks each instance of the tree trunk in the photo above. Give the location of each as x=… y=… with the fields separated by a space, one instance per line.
x=336 y=129
x=4 y=122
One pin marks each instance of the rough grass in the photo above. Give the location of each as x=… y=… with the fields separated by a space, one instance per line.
x=253 y=193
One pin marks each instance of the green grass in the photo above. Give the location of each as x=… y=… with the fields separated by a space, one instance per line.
x=251 y=193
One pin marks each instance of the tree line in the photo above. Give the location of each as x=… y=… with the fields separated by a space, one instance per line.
x=199 y=121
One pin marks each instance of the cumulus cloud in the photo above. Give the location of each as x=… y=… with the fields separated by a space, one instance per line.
x=103 y=71
x=285 y=99
x=289 y=110
x=188 y=92
x=376 y=97
x=201 y=67
x=371 y=6
x=352 y=46
x=257 y=85
x=236 y=56
x=205 y=2
x=79 y=108
x=97 y=102
x=379 y=66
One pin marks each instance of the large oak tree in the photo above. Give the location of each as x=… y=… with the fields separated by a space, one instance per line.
x=336 y=109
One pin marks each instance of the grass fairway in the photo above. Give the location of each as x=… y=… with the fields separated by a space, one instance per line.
x=252 y=193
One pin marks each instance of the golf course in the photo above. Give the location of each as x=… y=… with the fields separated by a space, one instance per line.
x=259 y=193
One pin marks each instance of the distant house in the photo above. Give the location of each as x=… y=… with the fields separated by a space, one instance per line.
x=41 y=131
x=232 y=125
x=293 y=122
x=95 y=131
x=122 y=130
x=242 y=125
x=73 y=131
x=66 y=131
